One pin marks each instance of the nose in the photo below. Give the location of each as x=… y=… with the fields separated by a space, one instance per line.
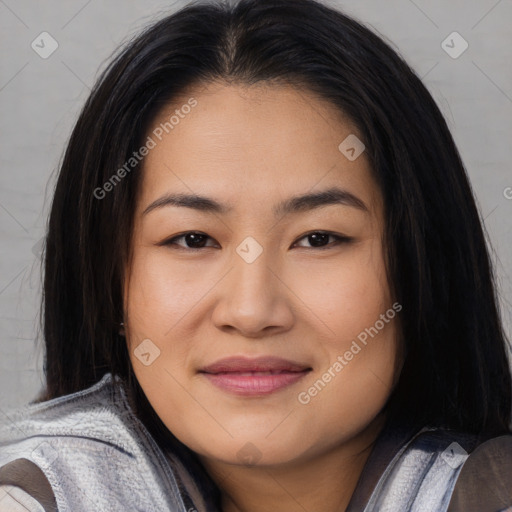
x=254 y=300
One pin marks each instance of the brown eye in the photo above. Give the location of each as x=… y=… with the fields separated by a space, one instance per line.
x=196 y=240
x=320 y=239
x=193 y=240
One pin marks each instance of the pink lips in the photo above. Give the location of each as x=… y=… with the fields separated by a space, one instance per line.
x=254 y=377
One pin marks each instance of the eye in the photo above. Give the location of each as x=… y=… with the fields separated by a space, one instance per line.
x=193 y=240
x=320 y=239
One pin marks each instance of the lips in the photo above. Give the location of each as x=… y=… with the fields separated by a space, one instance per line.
x=259 y=364
x=254 y=376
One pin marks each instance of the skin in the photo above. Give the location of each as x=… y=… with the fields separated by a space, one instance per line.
x=251 y=147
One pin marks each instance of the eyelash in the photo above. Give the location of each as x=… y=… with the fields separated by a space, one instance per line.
x=339 y=240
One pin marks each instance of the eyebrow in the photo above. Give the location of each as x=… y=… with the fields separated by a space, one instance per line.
x=295 y=204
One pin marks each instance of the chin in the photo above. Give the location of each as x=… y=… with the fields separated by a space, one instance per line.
x=256 y=450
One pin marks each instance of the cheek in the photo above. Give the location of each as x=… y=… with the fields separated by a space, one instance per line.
x=157 y=298
x=348 y=294
x=160 y=293
x=352 y=387
x=358 y=366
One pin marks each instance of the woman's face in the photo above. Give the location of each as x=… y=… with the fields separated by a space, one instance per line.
x=261 y=337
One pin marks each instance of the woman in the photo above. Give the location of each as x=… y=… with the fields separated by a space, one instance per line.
x=266 y=284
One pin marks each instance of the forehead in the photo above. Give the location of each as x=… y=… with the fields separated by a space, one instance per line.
x=261 y=140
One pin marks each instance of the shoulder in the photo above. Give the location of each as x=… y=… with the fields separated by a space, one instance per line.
x=85 y=444
x=485 y=480
x=64 y=436
x=90 y=410
x=85 y=426
x=432 y=468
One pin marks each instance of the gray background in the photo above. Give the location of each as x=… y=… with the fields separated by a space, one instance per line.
x=40 y=99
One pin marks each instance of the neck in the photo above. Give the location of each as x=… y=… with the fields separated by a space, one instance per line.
x=325 y=481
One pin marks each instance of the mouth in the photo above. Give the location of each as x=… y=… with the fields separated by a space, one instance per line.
x=254 y=377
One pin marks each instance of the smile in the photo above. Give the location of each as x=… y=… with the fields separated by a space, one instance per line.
x=254 y=383
x=254 y=377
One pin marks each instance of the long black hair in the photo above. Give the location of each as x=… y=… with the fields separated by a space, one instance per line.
x=456 y=373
